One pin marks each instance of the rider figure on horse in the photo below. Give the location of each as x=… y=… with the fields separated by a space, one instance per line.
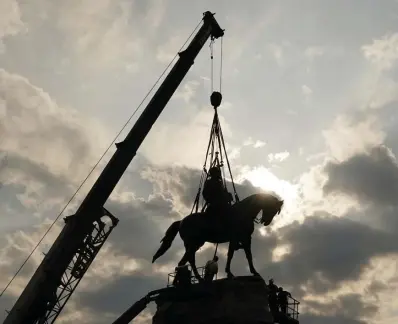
x=217 y=197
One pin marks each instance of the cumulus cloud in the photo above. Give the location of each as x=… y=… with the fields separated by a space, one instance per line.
x=10 y=21
x=312 y=52
x=278 y=157
x=254 y=143
x=348 y=135
x=383 y=53
x=100 y=31
x=384 y=92
x=47 y=146
x=166 y=52
x=324 y=258
x=188 y=91
x=170 y=139
x=306 y=90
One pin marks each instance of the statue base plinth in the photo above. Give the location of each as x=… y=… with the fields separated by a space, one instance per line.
x=241 y=300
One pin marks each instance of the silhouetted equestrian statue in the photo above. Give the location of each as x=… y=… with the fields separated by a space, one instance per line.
x=238 y=227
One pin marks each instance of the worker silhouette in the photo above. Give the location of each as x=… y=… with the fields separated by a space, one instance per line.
x=217 y=197
x=182 y=276
x=211 y=269
x=283 y=299
x=272 y=297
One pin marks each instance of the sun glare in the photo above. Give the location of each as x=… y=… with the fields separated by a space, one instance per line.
x=263 y=178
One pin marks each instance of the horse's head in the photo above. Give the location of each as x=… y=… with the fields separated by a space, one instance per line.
x=272 y=206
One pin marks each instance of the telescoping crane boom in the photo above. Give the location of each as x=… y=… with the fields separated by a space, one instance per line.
x=84 y=233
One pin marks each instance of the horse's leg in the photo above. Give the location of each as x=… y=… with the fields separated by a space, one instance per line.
x=190 y=252
x=231 y=250
x=248 y=251
x=184 y=259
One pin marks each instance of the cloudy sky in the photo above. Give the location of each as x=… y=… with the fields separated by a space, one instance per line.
x=310 y=92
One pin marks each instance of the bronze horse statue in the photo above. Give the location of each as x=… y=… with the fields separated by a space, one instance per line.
x=236 y=228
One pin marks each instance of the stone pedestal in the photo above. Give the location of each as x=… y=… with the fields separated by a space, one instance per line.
x=241 y=300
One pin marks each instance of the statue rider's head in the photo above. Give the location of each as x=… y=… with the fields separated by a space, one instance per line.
x=215 y=173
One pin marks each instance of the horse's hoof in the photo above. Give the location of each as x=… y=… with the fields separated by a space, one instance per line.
x=230 y=276
x=256 y=274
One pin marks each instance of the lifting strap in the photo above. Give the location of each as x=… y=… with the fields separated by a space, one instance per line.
x=216 y=152
x=215 y=155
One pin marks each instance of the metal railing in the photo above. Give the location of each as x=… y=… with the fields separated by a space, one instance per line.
x=194 y=280
x=292 y=308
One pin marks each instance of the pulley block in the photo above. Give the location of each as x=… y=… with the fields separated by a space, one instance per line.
x=215 y=99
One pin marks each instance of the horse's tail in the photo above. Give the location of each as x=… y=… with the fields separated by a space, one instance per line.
x=167 y=240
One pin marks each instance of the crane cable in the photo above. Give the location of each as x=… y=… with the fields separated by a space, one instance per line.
x=212 y=64
x=216 y=127
x=219 y=128
x=98 y=162
x=216 y=135
x=210 y=146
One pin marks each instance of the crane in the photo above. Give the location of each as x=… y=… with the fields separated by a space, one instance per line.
x=85 y=232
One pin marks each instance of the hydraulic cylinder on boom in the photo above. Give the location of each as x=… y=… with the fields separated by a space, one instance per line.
x=85 y=232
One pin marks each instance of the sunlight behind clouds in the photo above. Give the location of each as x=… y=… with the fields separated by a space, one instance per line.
x=263 y=178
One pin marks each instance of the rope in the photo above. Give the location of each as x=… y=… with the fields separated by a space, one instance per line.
x=204 y=172
x=229 y=166
x=98 y=162
x=215 y=251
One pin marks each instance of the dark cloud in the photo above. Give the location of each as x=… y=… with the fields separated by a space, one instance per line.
x=56 y=185
x=139 y=231
x=370 y=177
x=349 y=308
x=376 y=287
x=326 y=251
x=119 y=294
x=6 y=303
x=329 y=319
